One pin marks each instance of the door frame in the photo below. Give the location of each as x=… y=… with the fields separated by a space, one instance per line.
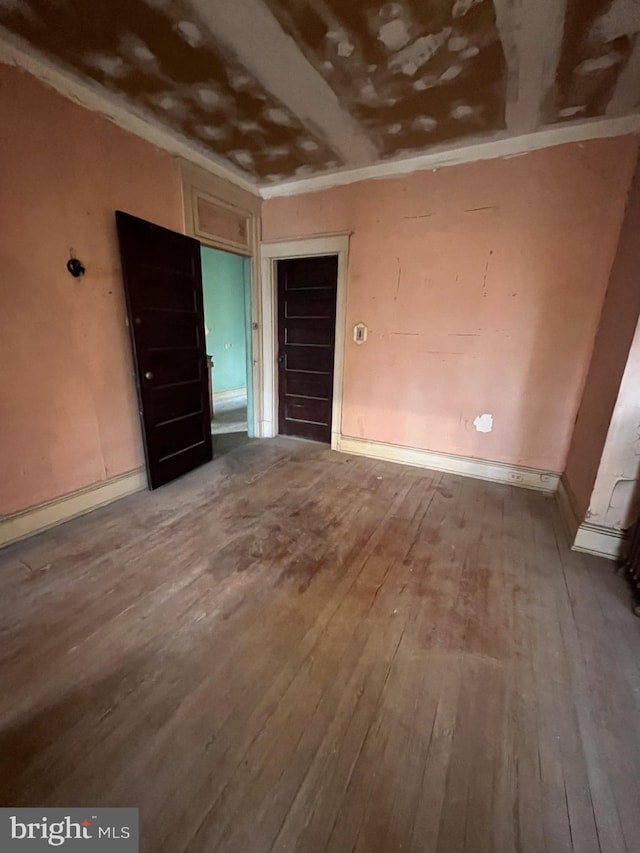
x=218 y=193
x=270 y=254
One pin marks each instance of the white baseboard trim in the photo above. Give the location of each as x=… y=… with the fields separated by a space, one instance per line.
x=601 y=541
x=589 y=538
x=34 y=519
x=229 y=395
x=481 y=469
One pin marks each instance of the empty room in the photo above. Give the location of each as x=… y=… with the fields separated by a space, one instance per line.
x=319 y=426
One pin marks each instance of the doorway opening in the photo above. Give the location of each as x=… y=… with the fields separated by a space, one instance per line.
x=226 y=286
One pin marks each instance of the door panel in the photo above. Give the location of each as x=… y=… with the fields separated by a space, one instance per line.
x=163 y=288
x=306 y=341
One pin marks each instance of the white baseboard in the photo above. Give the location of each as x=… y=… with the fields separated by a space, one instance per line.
x=602 y=541
x=589 y=538
x=481 y=469
x=229 y=395
x=34 y=519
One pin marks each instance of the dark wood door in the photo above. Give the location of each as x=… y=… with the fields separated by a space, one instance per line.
x=163 y=288
x=306 y=342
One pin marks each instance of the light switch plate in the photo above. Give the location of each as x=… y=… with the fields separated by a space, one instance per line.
x=360 y=332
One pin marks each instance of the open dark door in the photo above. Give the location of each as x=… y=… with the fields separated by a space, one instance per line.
x=163 y=288
x=307 y=290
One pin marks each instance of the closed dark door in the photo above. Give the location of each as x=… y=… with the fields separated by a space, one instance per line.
x=306 y=342
x=163 y=288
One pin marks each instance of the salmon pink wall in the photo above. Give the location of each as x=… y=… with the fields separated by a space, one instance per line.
x=611 y=351
x=68 y=413
x=482 y=286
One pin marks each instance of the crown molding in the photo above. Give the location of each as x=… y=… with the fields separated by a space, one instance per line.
x=15 y=51
x=499 y=148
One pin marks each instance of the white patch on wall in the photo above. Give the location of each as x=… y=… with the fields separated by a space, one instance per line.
x=393 y=129
x=394 y=34
x=415 y=55
x=190 y=33
x=483 y=423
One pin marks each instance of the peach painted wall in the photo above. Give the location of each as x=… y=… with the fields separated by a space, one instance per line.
x=482 y=286
x=611 y=351
x=68 y=411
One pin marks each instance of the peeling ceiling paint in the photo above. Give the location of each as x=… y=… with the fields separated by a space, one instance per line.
x=174 y=68
x=292 y=88
x=414 y=73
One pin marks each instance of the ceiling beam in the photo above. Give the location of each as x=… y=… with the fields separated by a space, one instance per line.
x=252 y=32
x=531 y=32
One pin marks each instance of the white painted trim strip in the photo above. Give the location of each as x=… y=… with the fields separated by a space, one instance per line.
x=594 y=539
x=601 y=541
x=481 y=469
x=15 y=51
x=503 y=146
x=34 y=519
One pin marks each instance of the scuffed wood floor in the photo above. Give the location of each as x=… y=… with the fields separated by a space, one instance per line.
x=296 y=650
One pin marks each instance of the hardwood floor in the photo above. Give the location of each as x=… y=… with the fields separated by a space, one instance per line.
x=296 y=650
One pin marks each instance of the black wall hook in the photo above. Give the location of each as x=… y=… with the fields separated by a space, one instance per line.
x=75 y=267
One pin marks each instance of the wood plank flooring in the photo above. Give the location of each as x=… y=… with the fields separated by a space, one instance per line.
x=297 y=650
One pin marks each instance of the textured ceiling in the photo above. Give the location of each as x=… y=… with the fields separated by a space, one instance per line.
x=291 y=88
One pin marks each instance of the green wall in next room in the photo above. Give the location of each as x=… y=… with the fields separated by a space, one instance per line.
x=223 y=281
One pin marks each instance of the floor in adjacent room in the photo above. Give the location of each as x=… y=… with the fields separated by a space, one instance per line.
x=294 y=649
x=230 y=417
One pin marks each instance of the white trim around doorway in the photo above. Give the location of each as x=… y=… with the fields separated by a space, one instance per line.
x=335 y=244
